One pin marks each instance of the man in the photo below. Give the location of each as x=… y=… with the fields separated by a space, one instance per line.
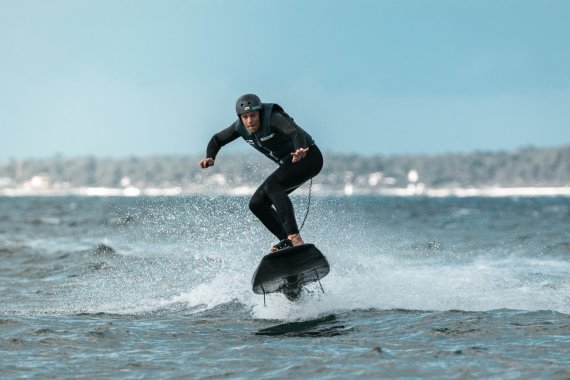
x=272 y=132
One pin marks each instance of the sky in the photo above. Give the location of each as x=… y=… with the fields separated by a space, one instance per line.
x=116 y=78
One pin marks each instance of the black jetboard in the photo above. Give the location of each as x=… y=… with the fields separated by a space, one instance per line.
x=287 y=270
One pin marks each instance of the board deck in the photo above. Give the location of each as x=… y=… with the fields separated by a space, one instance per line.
x=287 y=270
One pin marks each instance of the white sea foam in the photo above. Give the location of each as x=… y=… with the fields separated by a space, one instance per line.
x=184 y=254
x=363 y=281
x=386 y=283
x=480 y=285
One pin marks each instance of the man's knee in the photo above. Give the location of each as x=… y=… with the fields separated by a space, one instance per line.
x=256 y=203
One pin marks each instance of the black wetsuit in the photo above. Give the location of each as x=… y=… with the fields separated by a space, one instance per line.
x=277 y=137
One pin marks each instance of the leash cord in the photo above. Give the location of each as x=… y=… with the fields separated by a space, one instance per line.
x=308 y=205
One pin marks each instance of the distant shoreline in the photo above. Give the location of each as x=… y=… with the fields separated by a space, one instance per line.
x=487 y=192
x=527 y=172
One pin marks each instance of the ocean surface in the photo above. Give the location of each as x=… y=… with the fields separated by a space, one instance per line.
x=160 y=287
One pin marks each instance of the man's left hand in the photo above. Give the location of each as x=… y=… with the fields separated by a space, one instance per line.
x=299 y=153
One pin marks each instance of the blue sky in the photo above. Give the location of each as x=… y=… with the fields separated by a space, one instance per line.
x=119 y=78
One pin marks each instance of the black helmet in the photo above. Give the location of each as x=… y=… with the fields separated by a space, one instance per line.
x=247 y=103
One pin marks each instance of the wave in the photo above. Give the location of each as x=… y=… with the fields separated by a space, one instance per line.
x=104 y=279
x=355 y=283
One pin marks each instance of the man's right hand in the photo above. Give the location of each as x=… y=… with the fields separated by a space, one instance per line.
x=206 y=163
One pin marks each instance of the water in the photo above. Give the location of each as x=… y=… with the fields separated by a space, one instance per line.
x=444 y=288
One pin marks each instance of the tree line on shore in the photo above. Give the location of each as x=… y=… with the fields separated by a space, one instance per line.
x=528 y=166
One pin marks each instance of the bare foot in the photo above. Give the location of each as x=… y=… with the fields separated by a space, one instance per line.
x=282 y=244
x=296 y=239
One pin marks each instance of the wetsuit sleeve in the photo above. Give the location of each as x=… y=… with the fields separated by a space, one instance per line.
x=220 y=139
x=285 y=125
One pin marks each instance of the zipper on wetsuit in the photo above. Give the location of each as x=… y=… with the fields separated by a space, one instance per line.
x=258 y=143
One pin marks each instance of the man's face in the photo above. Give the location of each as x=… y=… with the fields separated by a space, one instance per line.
x=251 y=121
